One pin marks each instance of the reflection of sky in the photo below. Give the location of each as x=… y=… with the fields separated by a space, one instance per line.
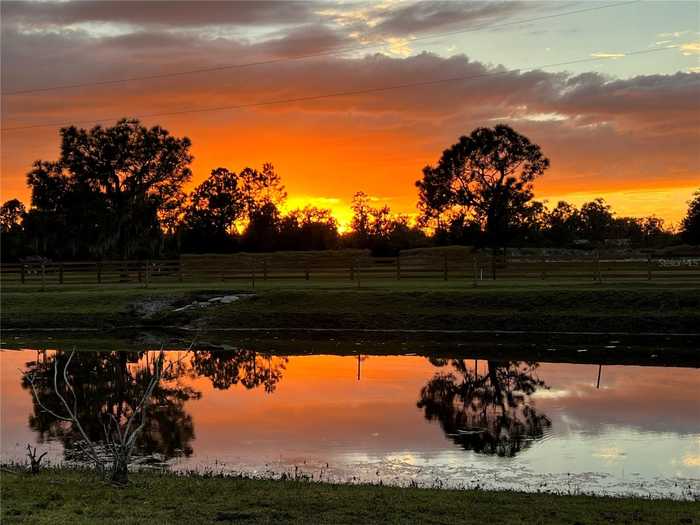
x=640 y=427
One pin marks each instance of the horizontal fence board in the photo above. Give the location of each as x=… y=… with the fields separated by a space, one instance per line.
x=305 y=266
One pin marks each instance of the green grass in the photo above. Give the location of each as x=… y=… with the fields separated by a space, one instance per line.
x=64 y=496
x=634 y=307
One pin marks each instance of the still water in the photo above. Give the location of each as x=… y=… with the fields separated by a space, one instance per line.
x=397 y=419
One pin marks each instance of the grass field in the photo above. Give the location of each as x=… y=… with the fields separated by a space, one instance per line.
x=64 y=496
x=500 y=305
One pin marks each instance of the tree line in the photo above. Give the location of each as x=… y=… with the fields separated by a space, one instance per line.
x=118 y=192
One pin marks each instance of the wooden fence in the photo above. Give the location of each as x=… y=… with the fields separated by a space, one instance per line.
x=246 y=267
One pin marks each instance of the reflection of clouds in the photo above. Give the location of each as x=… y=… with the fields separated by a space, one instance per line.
x=691 y=460
x=645 y=398
x=609 y=454
x=552 y=394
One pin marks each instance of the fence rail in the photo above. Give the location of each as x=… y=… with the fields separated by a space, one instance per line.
x=475 y=268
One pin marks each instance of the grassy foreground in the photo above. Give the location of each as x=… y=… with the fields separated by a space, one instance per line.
x=64 y=496
x=633 y=307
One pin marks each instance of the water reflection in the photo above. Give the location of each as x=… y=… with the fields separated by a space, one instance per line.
x=489 y=412
x=110 y=384
x=509 y=423
x=249 y=368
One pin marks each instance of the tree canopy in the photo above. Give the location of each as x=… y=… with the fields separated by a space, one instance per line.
x=690 y=227
x=110 y=189
x=486 y=177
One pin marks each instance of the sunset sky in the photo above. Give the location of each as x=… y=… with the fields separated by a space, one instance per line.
x=618 y=125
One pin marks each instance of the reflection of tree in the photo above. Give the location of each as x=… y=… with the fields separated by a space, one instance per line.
x=490 y=413
x=249 y=368
x=109 y=384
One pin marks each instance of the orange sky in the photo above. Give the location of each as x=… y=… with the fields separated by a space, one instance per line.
x=625 y=128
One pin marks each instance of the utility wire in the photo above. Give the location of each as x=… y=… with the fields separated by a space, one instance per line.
x=340 y=93
x=310 y=55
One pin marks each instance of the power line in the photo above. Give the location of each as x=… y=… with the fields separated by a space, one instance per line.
x=339 y=93
x=309 y=55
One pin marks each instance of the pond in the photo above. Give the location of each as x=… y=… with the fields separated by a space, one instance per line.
x=398 y=419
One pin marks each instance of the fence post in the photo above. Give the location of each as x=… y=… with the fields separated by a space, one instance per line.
x=649 y=267
x=444 y=266
x=598 y=277
x=60 y=273
x=23 y=273
x=306 y=269
x=475 y=265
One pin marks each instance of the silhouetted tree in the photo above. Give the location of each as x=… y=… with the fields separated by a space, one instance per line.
x=12 y=216
x=262 y=188
x=379 y=230
x=309 y=228
x=690 y=227
x=596 y=220
x=487 y=176
x=109 y=189
x=563 y=224
x=262 y=231
x=490 y=413
x=215 y=207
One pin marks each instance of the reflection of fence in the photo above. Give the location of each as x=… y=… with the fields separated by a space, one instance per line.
x=315 y=266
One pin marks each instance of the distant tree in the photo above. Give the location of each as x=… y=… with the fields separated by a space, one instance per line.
x=563 y=224
x=211 y=216
x=309 y=228
x=597 y=220
x=262 y=188
x=262 y=231
x=487 y=176
x=690 y=227
x=377 y=229
x=361 y=217
x=12 y=234
x=111 y=187
x=12 y=214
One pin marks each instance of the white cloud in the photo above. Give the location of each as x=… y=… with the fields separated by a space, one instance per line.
x=612 y=56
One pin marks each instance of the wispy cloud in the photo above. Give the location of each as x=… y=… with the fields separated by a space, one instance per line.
x=612 y=56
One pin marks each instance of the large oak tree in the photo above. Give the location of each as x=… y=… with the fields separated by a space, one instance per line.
x=487 y=177
x=111 y=190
